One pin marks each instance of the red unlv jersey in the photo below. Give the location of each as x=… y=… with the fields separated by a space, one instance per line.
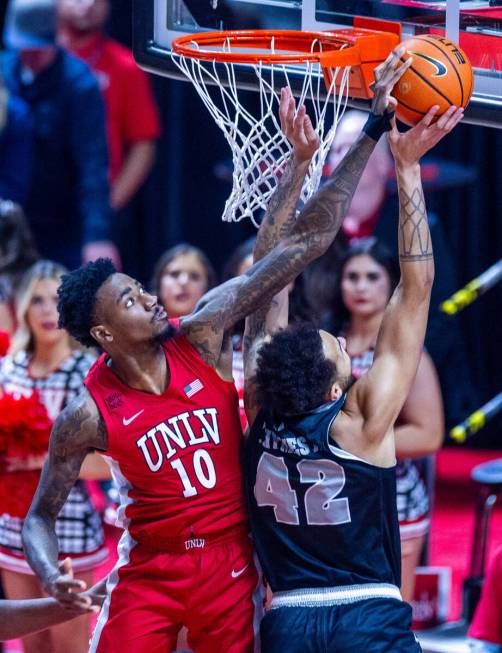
x=176 y=456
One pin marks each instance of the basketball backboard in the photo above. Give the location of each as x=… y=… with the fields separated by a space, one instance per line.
x=475 y=24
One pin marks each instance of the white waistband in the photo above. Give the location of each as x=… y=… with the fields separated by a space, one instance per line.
x=312 y=597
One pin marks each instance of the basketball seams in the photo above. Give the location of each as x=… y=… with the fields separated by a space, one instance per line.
x=413 y=110
x=453 y=63
x=424 y=79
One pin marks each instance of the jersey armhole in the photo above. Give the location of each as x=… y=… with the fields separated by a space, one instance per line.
x=98 y=402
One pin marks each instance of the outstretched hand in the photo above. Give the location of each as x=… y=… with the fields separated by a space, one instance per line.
x=297 y=127
x=387 y=74
x=409 y=147
x=66 y=589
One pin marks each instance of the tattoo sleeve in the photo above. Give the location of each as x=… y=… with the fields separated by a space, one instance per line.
x=277 y=223
x=280 y=215
x=323 y=215
x=313 y=232
x=77 y=431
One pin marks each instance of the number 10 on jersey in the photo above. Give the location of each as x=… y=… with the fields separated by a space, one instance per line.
x=203 y=467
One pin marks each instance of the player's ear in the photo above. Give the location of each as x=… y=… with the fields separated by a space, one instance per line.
x=101 y=335
x=335 y=392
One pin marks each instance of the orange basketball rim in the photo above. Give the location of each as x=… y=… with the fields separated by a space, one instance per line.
x=334 y=66
x=361 y=47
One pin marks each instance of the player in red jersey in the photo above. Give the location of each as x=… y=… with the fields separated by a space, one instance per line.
x=161 y=404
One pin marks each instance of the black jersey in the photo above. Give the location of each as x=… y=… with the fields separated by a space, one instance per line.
x=320 y=516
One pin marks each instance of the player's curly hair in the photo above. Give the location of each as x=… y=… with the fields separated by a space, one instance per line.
x=77 y=299
x=293 y=374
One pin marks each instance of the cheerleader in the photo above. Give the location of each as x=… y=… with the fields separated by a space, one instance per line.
x=42 y=372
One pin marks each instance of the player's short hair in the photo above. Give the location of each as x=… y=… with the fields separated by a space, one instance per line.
x=77 y=299
x=293 y=375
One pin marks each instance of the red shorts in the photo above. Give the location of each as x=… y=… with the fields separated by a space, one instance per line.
x=210 y=586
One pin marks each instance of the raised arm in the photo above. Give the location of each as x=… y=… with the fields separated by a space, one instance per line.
x=381 y=393
x=277 y=223
x=280 y=215
x=78 y=430
x=312 y=234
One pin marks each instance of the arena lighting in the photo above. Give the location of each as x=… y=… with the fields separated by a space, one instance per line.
x=477 y=419
x=473 y=290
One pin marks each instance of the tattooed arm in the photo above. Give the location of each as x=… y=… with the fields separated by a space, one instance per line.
x=78 y=430
x=281 y=210
x=381 y=393
x=310 y=237
x=277 y=223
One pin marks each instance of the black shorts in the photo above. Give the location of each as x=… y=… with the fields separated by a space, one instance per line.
x=377 y=625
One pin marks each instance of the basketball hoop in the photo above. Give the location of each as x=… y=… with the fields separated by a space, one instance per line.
x=328 y=60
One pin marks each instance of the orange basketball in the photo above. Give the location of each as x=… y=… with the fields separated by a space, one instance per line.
x=440 y=74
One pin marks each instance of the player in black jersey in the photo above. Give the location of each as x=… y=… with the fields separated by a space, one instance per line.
x=320 y=457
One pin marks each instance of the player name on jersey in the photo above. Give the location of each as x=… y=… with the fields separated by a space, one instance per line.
x=283 y=440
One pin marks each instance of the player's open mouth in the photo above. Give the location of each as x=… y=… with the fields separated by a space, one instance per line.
x=160 y=314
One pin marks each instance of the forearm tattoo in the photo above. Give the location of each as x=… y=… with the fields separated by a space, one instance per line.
x=281 y=210
x=414 y=235
x=323 y=215
x=76 y=432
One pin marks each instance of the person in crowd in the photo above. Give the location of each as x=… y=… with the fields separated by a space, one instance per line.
x=485 y=631
x=131 y=114
x=320 y=456
x=17 y=254
x=41 y=374
x=189 y=507
x=367 y=277
x=68 y=204
x=16 y=147
x=182 y=275
x=370 y=214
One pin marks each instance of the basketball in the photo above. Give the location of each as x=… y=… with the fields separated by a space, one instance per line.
x=440 y=74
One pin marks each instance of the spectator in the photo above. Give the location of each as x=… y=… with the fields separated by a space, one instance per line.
x=17 y=254
x=132 y=120
x=42 y=373
x=68 y=204
x=372 y=213
x=181 y=276
x=16 y=147
x=367 y=278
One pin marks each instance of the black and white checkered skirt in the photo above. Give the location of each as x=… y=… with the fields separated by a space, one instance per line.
x=78 y=528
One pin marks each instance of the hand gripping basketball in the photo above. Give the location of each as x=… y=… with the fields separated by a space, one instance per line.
x=409 y=147
x=387 y=74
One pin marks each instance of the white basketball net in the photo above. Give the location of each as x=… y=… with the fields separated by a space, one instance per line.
x=259 y=148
